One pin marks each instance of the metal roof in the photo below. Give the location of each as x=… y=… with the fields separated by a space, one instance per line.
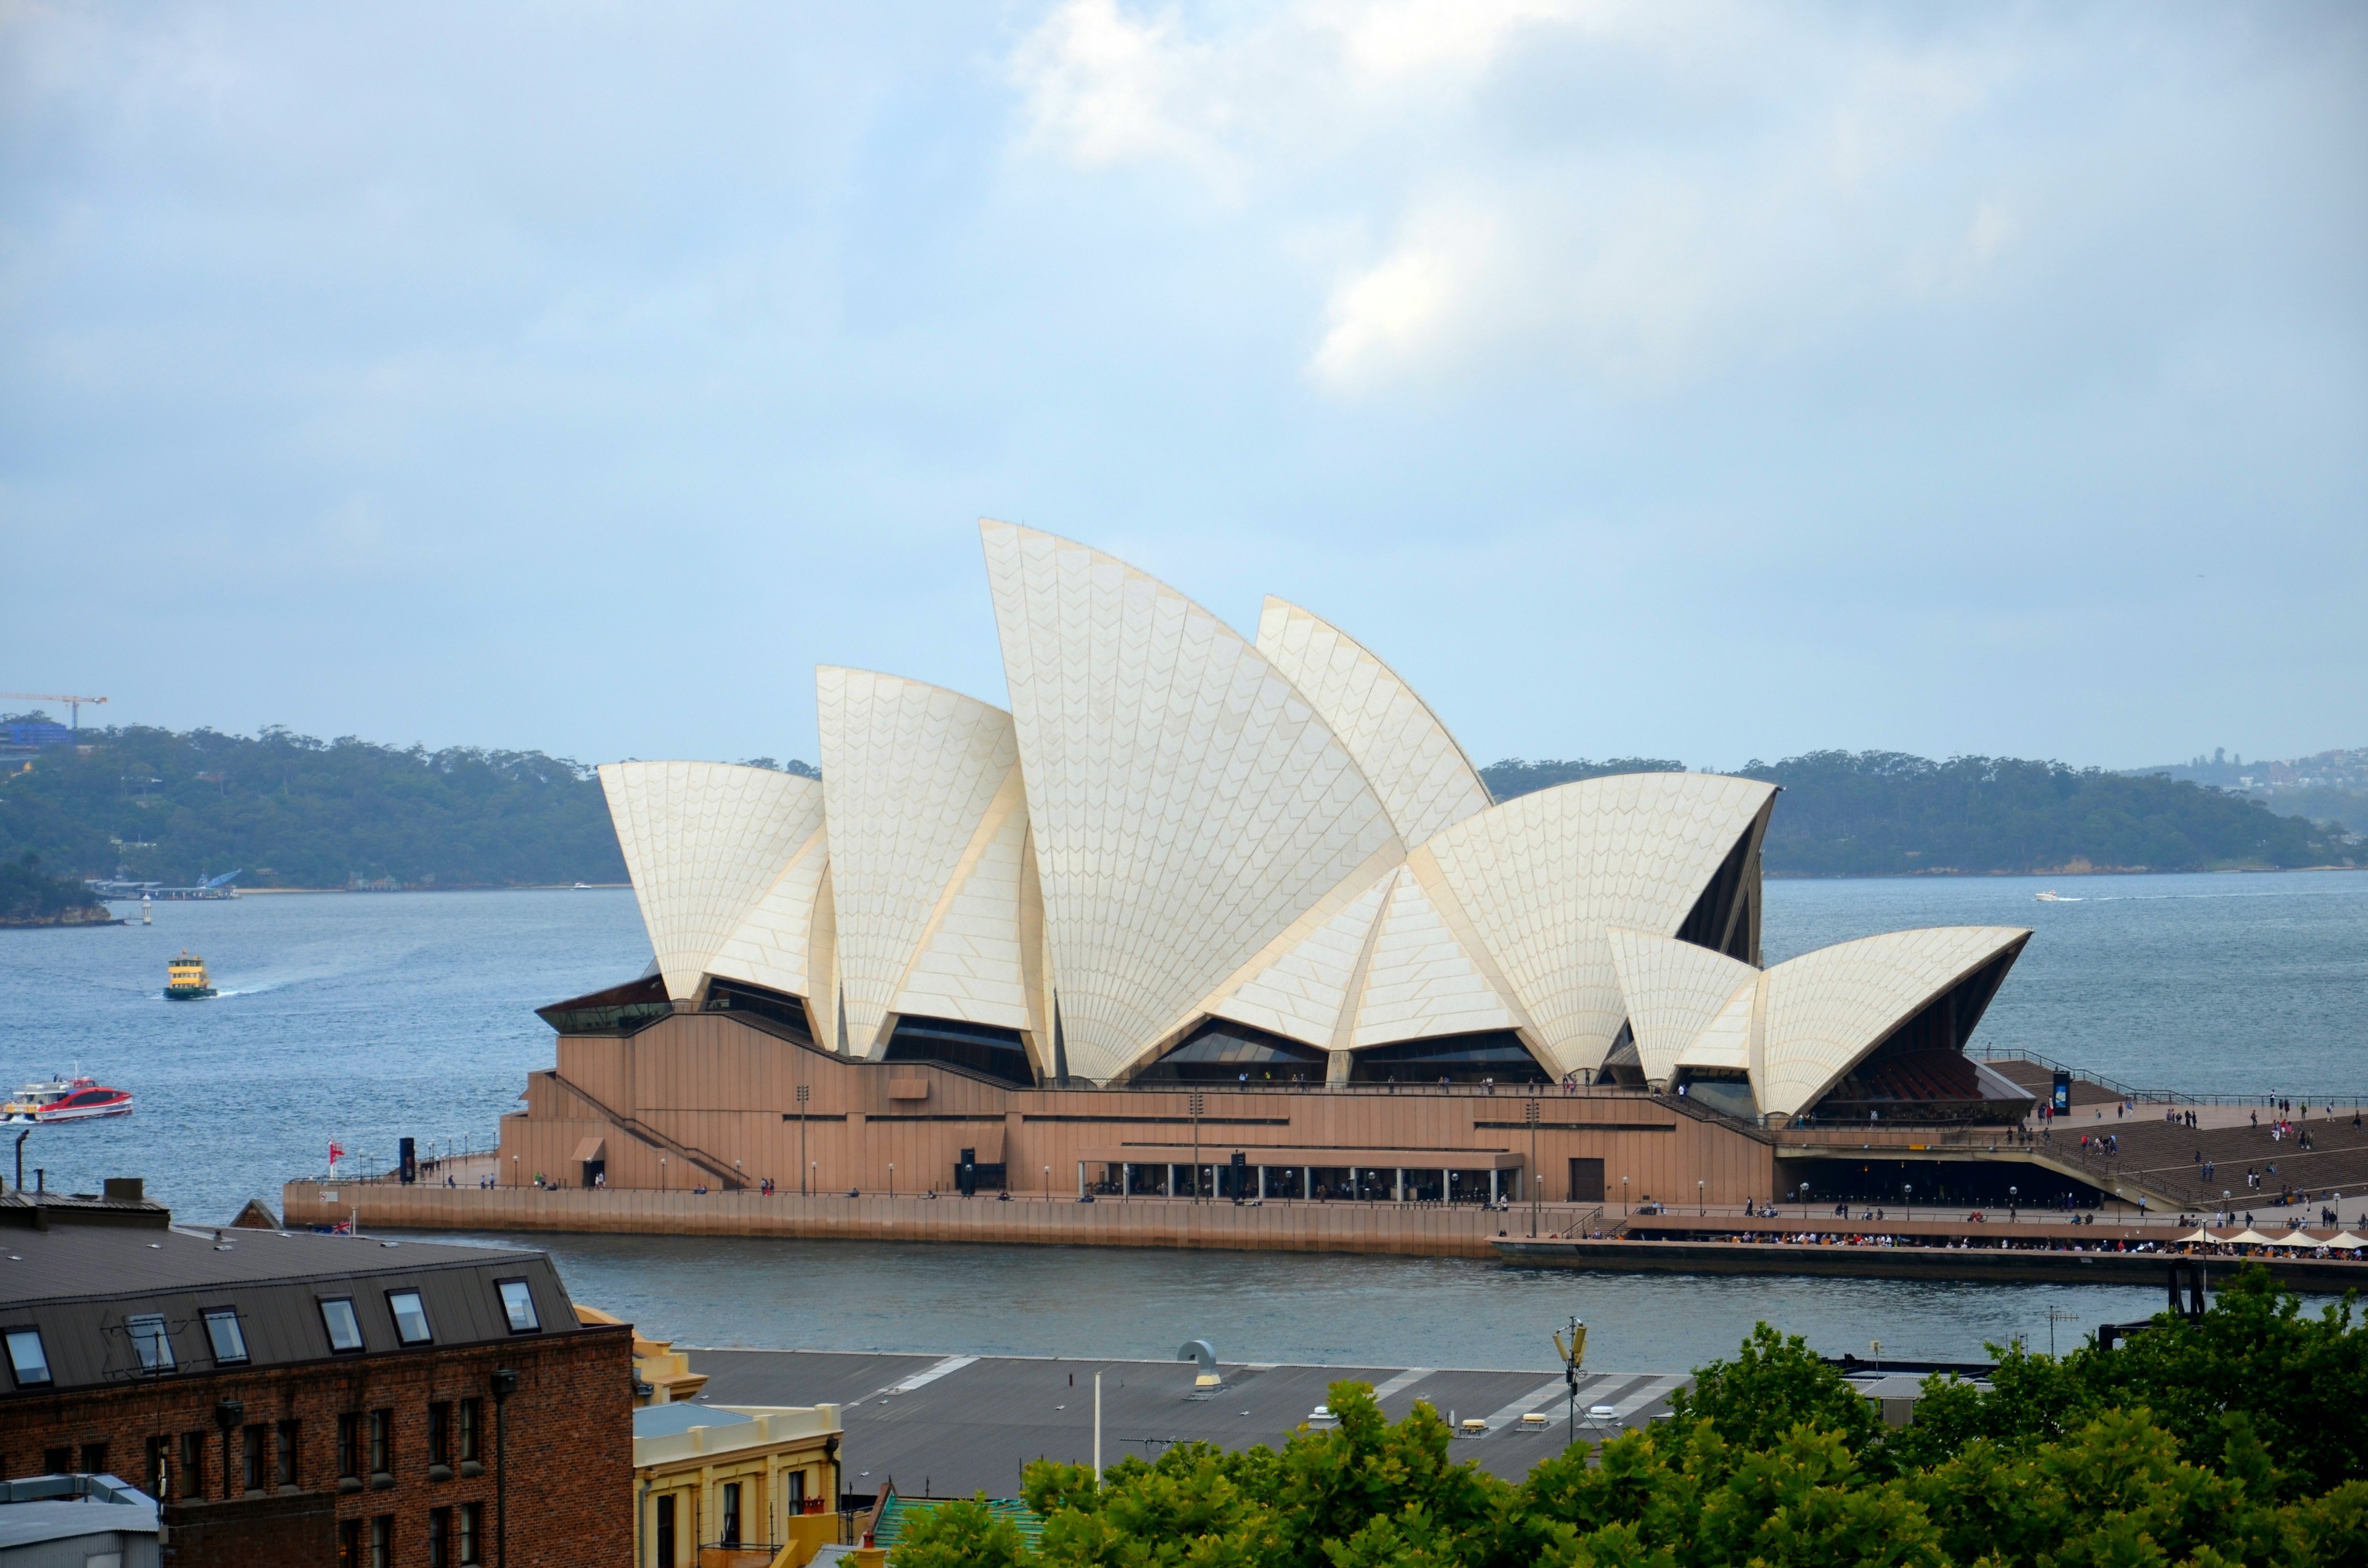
x=671 y=1420
x=79 y=1283
x=953 y=1426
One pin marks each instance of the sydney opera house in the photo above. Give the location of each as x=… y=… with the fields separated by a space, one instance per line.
x=987 y=941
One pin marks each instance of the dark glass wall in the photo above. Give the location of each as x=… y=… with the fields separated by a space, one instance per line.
x=991 y=1053
x=1222 y=1051
x=1496 y=1054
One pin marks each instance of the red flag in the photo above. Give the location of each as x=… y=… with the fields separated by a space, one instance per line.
x=335 y=1154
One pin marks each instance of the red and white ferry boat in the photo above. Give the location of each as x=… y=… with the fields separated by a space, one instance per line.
x=78 y=1098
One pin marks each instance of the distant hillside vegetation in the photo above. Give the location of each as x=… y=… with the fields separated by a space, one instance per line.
x=31 y=896
x=155 y=805
x=296 y=812
x=1884 y=814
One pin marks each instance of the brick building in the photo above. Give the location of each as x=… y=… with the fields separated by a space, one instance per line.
x=307 y=1399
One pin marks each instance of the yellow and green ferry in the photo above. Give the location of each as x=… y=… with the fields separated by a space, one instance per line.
x=184 y=979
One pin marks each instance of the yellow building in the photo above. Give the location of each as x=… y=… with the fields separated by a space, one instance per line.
x=733 y=1487
x=662 y=1374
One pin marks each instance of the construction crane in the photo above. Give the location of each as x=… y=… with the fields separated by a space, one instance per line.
x=74 y=704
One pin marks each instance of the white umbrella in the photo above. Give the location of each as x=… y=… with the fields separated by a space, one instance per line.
x=2248 y=1238
x=2201 y=1235
x=2346 y=1241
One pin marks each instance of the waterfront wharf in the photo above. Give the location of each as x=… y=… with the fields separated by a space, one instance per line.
x=1427 y=1230
x=953 y=1426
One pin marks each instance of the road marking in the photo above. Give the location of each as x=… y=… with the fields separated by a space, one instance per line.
x=1535 y=1400
x=1401 y=1383
x=931 y=1374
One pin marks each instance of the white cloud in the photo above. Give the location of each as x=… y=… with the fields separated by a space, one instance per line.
x=1632 y=195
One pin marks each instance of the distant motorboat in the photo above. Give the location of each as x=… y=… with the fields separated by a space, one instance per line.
x=586 y=886
x=2052 y=896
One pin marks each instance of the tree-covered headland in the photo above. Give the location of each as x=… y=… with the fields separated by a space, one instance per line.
x=1884 y=814
x=159 y=805
x=31 y=896
x=2240 y=1438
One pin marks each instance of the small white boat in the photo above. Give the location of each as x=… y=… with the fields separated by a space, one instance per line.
x=2052 y=896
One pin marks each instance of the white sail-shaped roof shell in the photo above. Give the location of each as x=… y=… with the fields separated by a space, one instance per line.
x=970 y=963
x=1543 y=879
x=911 y=774
x=1310 y=988
x=1386 y=968
x=1673 y=990
x=774 y=945
x=1188 y=804
x=1423 y=777
x=1421 y=981
x=1824 y=1011
x=703 y=842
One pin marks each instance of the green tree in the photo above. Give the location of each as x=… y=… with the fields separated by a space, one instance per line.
x=2228 y=1440
x=960 y=1535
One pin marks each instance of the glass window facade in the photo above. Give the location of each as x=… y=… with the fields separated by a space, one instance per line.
x=982 y=1049
x=1222 y=1051
x=619 y=1010
x=775 y=1012
x=1495 y=1055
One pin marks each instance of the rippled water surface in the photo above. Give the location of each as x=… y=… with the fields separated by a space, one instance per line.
x=361 y=1018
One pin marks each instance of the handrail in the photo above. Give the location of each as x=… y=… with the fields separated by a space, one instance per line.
x=731 y=1179
x=2153 y=1097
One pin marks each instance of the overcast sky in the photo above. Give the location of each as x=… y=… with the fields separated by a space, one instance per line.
x=1692 y=380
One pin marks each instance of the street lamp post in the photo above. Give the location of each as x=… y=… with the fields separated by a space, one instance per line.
x=891 y=1178
x=1804 y=1200
x=1623 y=1198
x=1530 y=1115
x=1702 y=1198
x=1048 y=1184
x=803 y=1091
x=2010 y=1194
x=1907 y=1198
x=1193 y=1104
x=662 y=1172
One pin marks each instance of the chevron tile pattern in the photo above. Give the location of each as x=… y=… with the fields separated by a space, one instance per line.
x=1422 y=775
x=1672 y=991
x=970 y=965
x=1544 y=877
x=909 y=771
x=1826 y=1009
x=774 y=946
x=1419 y=981
x=1173 y=823
x=703 y=841
x=1188 y=803
x=1306 y=992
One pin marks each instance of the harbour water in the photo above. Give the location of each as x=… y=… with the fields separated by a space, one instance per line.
x=360 y=1018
